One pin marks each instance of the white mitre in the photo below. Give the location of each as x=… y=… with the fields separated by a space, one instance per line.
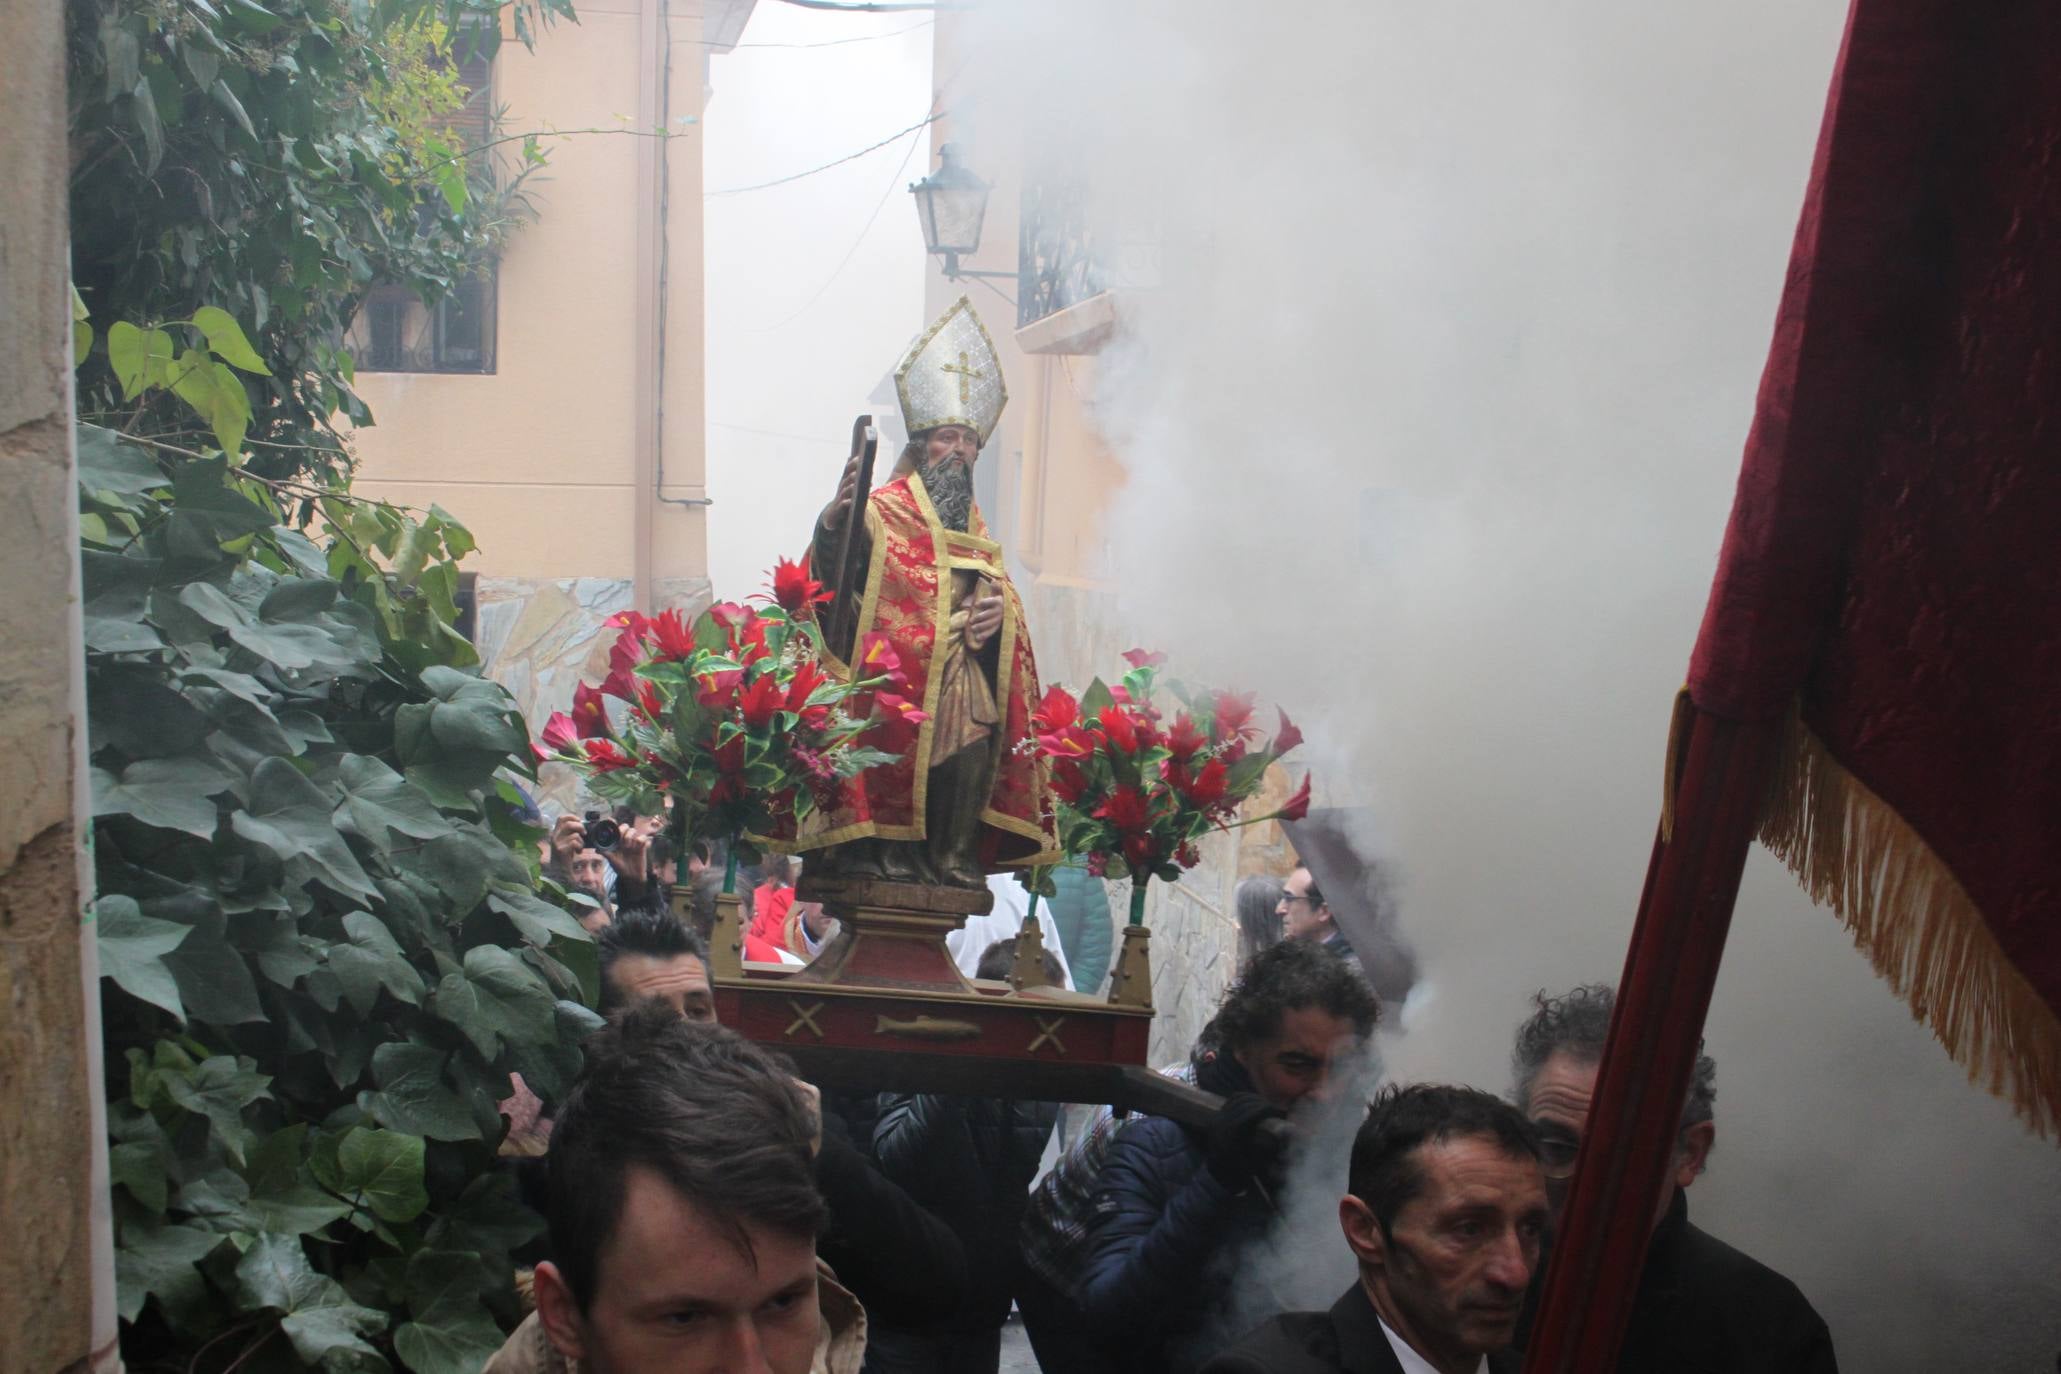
x=951 y=376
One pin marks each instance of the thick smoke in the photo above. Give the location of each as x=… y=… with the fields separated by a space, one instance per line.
x=1441 y=329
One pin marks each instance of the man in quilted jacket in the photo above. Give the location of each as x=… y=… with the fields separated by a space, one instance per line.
x=1174 y=1206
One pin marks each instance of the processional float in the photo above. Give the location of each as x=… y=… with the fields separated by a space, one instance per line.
x=886 y=721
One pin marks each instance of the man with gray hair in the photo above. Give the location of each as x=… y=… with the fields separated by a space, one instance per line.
x=1702 y=1306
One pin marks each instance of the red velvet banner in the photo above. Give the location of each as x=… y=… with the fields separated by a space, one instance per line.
x=1893 y=564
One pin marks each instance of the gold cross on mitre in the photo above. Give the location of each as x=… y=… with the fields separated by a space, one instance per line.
x=967 y=374
x=951 y=375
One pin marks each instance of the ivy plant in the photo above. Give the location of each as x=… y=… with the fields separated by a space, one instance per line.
x=323 y=946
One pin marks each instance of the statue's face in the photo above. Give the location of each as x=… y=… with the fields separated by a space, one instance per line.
x=955 y=442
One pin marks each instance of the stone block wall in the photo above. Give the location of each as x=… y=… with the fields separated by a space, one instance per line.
x=540 y=638
x=56 y=1268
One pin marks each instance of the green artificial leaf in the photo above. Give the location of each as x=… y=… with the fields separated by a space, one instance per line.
x=495 y=998
x=82 y=341
x=289 y=816
x=132 y=947
x=371 y=961
x=382 y=1170
x=413 y=1096
x=171 y=794
x=378 y=800
x=160 y=1262
x=1096 y=699
x=219 y=1089
x=319 y=1316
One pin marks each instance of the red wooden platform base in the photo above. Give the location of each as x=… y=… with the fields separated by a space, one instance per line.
x=885 y=1008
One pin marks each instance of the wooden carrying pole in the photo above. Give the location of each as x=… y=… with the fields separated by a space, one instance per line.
x=1656 y=1032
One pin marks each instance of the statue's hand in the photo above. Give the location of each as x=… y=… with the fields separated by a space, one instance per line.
x=985 y=620
x=847 y=491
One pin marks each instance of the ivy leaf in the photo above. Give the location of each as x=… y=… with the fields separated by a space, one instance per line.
x=219 y=1089
x=371 y=961
x=488 y=1218
x=535 y=919
x=378 y=800
x=161 y=1262
x=383 y=1171
x=413 y=1096
x=214 y=982
x=116 y=588
x=171 y=794
x=320 y=1318
x=451 y=1332
x=215 y=1200
x=495 y=998
x=141 y=1166
x=283 y=1195
x=132 y=947
x=289 y=816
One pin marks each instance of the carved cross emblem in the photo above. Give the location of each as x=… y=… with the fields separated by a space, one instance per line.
x=804 y=1016
x=1048 y=1032
x=967 y=373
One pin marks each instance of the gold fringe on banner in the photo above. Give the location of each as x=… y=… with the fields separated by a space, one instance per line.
x=1907 y=911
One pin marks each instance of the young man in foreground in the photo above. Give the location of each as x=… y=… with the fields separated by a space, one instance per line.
x=683 y=1217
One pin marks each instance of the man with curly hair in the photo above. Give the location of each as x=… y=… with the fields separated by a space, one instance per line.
x=1702 y=1305
x=1173 y=1206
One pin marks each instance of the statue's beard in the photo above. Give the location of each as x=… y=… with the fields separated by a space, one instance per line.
x=950 y=484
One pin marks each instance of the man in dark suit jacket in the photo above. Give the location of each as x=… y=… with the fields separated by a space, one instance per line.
x=1446 y=1212
x=1702 y=1306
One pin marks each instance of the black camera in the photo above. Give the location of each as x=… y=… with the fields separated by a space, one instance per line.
x=602 y=831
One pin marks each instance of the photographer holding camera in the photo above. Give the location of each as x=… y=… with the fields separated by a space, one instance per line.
x=608 y=858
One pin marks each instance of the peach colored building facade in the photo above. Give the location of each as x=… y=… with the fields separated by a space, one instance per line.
x=578 y=461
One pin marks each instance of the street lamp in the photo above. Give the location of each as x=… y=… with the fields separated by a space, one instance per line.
x=950 y=204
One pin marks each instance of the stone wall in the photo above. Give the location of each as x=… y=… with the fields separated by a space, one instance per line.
x=540 y=638
x=53 y=1208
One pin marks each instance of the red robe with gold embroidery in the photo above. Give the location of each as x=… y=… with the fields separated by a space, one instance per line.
x=908 y=598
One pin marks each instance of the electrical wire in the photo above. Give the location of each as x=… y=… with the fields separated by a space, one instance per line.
x=925 y=122
x=870 y=8
x=840 y=42
x=850 y=252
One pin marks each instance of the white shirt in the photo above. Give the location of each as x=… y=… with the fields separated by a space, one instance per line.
x=1012 y=904
x=1410 y=1360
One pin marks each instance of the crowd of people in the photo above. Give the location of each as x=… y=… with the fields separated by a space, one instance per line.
x=710 y=1211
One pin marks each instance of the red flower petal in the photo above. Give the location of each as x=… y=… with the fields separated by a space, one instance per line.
x=1287 y=737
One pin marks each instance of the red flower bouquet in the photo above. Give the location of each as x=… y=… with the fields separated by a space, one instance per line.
x=732 y=716
x=1137 y=791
